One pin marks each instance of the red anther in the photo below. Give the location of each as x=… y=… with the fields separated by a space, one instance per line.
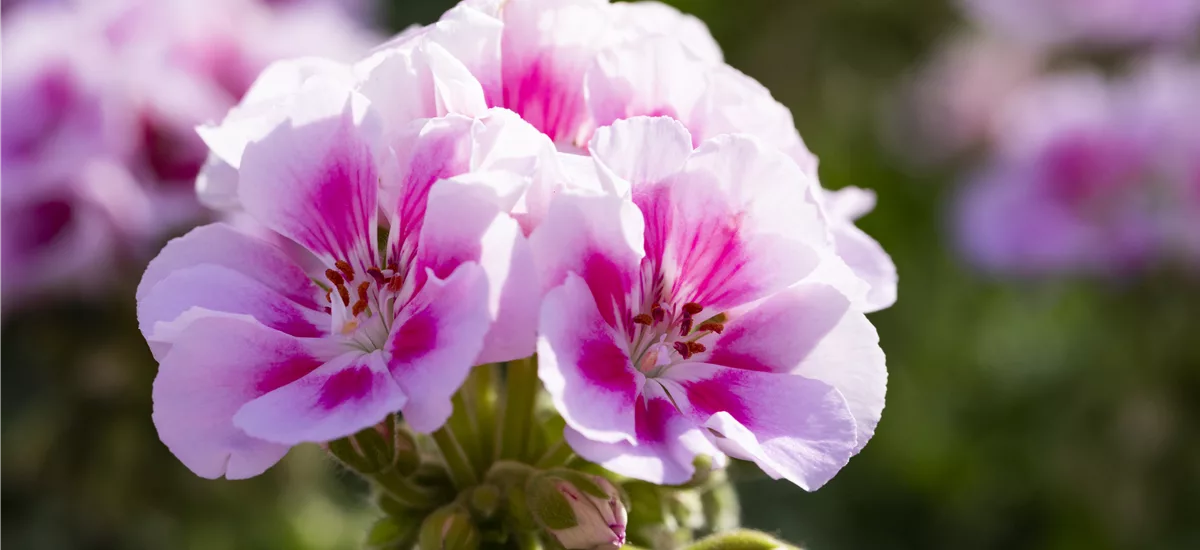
x=658 y=313
x=395 y=284
x=692 y=308
x=711 y=327
x=696 y=347
x=376 y=274
x=686 y=326
x=345 y=294
x=394 y=267
x=359 y=307
x=334 y=277
x=683 y=349
x=643 y=319
x=345 y=268
x=328 y=309
x=329 y=295
x=362 y=290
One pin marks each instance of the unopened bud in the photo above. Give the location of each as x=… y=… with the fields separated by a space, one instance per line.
x=449 y=528
x=393 y=532
x=581 y=511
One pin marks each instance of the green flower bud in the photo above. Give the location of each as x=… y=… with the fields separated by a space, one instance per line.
x=393 y=532
x=741 y=540
x=485 y=500
x=581 y=511
x=449 y=528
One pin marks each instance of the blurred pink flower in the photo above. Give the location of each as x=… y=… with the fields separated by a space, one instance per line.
x=1089 y=175
x=125 y=93
x=1090 y=22
x=681 y=320
x=256 y=357
x=953 y=102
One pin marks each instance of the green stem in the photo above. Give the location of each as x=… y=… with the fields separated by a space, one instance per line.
x=560 y=454
x=520 y=390
x=465 y=431
x=457 y=461
x=404 y=490
x=480 y=394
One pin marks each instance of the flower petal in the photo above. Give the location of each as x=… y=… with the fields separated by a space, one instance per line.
x=349 y=393
x=467 y=221
x=435 y=340
x=546 y=49
x=598 y=238
x=583 y=363
x=776 y=334
x=667 y=443
x=217 y=288
x=738 y=223
x=861 y=253
x=793 y=427
x=848 y=357
x=216 y=366
x=315 y=180
x=222 y=245
x=737 y=103
x=647 y=18
x=640 y=151
x=652 y=76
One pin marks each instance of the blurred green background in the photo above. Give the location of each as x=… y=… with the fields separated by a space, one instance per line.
x=1039 y=414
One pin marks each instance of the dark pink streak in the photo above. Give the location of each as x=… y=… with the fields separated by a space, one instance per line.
x=605 y=365
x=350 y=384
x=293 y=365
x=415 y=338
x=430 y=162
x=720 y=394
x=652 y=418
x=552 y=104
x=610 y=286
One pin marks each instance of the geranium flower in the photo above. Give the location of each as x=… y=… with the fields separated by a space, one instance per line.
x=258 y=354
x=681 y=320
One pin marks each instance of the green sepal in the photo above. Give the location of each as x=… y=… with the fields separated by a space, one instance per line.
x=550 y=508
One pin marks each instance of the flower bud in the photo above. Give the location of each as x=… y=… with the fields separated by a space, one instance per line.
x=449 y=528
x=580 y=510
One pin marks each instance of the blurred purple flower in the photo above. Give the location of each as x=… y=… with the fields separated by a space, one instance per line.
x=1090 y=175
x=1091 y=22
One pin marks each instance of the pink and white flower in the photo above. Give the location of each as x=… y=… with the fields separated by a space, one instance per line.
x=258 y=354
x=570 y=66
x=683 y=315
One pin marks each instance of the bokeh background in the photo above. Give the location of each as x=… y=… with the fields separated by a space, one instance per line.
x=1027 y=408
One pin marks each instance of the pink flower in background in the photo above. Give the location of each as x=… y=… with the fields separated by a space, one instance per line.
x=256 y=356
x=1090 y=176
x=61 y=234
x=107 y=117
x=686 y=319
x=60 y=102
x=952 y=104
x=1092 y=22
x=189 y=62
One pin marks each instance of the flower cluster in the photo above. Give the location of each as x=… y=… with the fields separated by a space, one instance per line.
x=98 y=143
x=581 y=180
x=1085 y=172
